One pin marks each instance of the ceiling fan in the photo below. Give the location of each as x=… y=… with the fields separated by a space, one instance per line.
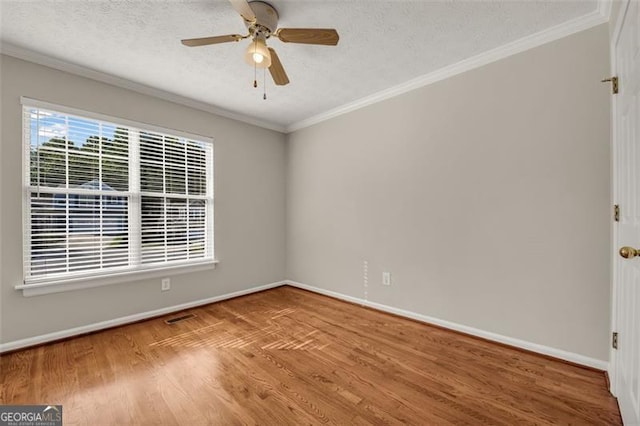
x=261 y=20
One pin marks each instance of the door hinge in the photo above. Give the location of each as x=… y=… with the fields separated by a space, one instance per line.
x=614 y=84
x=614 y=340
x=616 y=212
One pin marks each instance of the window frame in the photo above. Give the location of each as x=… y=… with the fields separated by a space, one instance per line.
x=139 y=270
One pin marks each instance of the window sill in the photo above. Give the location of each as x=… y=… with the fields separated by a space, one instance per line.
x=37 y=289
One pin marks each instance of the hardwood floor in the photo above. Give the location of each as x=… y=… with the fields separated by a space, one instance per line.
x=287 y=356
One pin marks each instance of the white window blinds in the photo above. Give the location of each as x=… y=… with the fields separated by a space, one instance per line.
x=103 y=197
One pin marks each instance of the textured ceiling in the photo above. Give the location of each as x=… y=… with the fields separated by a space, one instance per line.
x=382 y=44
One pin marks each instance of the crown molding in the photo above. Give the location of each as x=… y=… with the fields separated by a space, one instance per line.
x=51 y=62
x=599 y=16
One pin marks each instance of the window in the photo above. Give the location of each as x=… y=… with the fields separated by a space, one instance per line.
x=108 y=196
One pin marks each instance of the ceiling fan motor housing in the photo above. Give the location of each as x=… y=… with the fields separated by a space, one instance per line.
x=266 y=19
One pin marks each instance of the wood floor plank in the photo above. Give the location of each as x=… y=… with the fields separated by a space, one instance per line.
x=288 y=356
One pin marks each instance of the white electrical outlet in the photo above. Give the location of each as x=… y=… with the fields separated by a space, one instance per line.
x=166 y=284
x=386 y=278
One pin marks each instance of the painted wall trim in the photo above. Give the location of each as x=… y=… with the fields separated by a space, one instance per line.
x=523 y=344
x=80 y=283
x=51 y=62
x=613 y=353
x=604 y=8
x=63 y=334
x=600 y=16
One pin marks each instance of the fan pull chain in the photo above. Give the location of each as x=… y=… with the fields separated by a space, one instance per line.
x=255 y=66
x=264 y=83
x=255 y=81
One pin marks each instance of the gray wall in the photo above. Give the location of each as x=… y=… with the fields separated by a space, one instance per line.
x=249 y=204
x=486 y=195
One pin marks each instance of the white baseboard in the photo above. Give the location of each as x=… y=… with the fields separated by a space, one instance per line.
x=522 y=344
x=63 y=334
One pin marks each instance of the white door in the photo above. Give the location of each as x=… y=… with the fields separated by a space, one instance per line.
x=626 y=125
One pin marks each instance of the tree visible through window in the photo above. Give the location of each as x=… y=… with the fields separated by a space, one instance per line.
x=105 y=197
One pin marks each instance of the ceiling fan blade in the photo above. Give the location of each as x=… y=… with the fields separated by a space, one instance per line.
x=325 y=36
x=193 y=42
x=277 y=70
x=243 y=8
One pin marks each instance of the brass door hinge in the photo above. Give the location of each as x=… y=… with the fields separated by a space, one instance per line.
x=616 y=212
x=614 y=84
x=614 y=340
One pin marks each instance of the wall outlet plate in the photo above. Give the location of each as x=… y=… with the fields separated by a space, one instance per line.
x=386 y=278
x=166 y=284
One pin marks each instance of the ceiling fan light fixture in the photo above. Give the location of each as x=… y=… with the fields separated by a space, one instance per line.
x=261 y=20
x=257 y=54
x=257 y=58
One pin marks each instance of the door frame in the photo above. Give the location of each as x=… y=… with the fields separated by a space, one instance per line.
x=612 y=371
